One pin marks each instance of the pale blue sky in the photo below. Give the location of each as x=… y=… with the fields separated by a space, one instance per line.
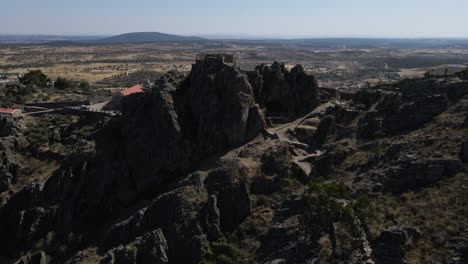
x=274 y=18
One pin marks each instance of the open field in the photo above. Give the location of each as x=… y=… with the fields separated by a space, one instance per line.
x=346 y=66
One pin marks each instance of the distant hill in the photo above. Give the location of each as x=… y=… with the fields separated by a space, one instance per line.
x=142 y=37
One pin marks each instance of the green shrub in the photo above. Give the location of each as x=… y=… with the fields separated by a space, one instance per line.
x=35 y=77
x=330 y=203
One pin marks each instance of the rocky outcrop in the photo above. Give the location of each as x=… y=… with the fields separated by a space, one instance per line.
x=171 y=129
x=8 y=126
x=391 y=111
x=390 y=246
x=30 y=220
x=172 y=179
x=411 y=173
x=9 y=164
x=163 y=134
x=391 y=114
x=325 y=132
x=228 y=183
x=149 y=248
x=283 y=92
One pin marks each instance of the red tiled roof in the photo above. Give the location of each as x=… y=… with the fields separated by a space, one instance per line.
x=7 y=110
x=134 y=89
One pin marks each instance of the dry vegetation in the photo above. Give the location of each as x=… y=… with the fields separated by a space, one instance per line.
x=100 y=62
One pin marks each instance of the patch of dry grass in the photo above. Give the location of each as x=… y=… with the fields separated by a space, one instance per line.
x=439 y=212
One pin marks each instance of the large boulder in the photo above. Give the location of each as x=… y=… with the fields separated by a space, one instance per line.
x=228 y=182
x=390 y=246
x=325 y=132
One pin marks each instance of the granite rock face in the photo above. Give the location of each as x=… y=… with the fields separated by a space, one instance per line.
x=284 y=92
x=390 y=246
x=150 y=153
x=411 y=173
x=412 y=105
x=191 y=172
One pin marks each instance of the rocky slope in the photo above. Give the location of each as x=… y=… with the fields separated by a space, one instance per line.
x=224 y=166
x=8 y=145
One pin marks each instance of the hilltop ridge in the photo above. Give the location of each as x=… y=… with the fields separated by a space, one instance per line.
x=146 y=37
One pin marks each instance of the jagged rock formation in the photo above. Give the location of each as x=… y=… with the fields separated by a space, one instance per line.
x=414 y=105
x=193 y=171
x=282 y=92
x=162 y=134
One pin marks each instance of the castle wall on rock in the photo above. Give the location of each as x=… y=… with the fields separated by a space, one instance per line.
x=223 y=58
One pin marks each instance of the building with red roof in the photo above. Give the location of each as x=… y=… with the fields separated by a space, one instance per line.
x=134 y=89
x=15 y=113
x=115 y=103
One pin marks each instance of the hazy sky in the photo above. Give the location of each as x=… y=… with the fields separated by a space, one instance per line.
x=280 y=18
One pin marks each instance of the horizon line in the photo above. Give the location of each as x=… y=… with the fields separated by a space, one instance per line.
x=241 y=36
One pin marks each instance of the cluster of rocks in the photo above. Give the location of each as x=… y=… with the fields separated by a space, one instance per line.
x=174 y=173
x=162 y=135
x=390 y=111
x=413 y=173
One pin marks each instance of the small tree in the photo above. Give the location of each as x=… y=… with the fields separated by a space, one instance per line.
x=62 y=84
x=85 y=86
x=35 y=77
x=327 y=204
